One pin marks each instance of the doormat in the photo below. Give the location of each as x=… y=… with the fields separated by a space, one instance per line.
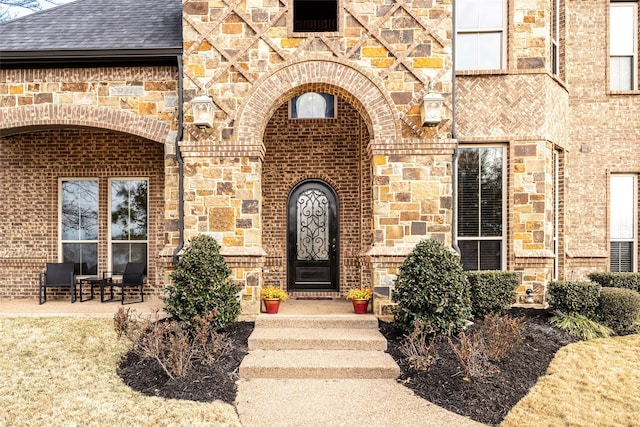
x=315 y=298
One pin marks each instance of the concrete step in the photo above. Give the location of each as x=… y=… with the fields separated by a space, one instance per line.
x=318 y=364
x=331 y=321
x=316 y=338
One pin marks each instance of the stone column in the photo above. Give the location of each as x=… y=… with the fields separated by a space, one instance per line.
x=533 y=213
x=412 y=200
x=223 y=198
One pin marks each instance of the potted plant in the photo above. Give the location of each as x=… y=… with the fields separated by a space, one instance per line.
x=360 y=299
x=272 y=295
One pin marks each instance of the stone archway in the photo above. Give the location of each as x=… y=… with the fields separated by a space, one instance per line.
x=358 y=88
x=332 y=151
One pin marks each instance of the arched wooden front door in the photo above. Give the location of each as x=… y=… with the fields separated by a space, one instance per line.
x=313 y=242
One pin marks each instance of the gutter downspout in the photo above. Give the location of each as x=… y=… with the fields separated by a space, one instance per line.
x=456 y=153
x=180 y=165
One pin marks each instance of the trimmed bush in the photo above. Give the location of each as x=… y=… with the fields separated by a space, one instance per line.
x=617 y=280
x=575 y=297
x=491 y=291
x=619 y=308
x=431 y=287
x=202 y=285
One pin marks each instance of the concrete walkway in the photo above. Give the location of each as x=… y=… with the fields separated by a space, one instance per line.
x=288 y=402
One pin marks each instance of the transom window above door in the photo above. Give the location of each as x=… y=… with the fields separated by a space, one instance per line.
x=313 y=105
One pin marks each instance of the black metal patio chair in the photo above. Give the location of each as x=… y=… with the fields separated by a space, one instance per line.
x=132 y=277
x=57 y=275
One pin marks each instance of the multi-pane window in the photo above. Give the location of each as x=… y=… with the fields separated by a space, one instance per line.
x=623 y=45
x=129 y=222
x=480 y=207
x=315 y=16
x=480 y=34
x=313 y=105
x=624 y=220
x=79 y=224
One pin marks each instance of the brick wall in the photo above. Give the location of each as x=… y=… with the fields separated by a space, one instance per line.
x=333 y=150
x=30 y=167
x=604 y=137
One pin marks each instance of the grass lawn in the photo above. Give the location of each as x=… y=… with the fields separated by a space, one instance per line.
x=589 y=383
x=61 y=372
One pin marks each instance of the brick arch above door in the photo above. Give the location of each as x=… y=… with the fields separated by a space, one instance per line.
x=18 y=119
x=333 y=76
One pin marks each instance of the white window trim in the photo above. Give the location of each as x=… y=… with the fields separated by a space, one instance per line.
x=555 y=42
x=503 y=37
x=110 y=241
x=635 y=219
x=634 y=60
x=503 y=239
x=61 y=241
x=556 y=213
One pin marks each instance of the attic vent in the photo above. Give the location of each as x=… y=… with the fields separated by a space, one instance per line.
x=315 y=16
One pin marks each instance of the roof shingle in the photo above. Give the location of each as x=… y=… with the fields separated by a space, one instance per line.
x=97 y=25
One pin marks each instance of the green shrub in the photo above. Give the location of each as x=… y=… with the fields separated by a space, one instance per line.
x=431 y=287
x=619 y=308
x=575 y=297
x=580 y=326
x=617 y=280
x=491 y=291
x=202 y=285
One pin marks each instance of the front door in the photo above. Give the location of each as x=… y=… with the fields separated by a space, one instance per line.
x=312 y=238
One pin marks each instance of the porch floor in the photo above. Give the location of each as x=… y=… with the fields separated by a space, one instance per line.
x=316 y=306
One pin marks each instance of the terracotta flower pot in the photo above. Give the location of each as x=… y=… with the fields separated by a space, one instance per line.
x=271 y=305
x=360 y=305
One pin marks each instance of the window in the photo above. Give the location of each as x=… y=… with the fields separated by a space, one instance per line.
x=555 y=38
x=79 y=224
x=312 y=105
x=129 y=222
x=480 y=207
x=312 y=16
x=623 y=48
x=624 y=217
x=480 y=34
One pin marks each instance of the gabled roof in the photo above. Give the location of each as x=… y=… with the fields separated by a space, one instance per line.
x=96 y=30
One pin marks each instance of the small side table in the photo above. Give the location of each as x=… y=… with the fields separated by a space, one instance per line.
x=104 y=282
x=93 y=281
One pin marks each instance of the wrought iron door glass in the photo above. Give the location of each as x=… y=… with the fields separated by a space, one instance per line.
x=313 y=226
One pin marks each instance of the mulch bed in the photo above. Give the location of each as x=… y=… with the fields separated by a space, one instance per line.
x=443 y=384
x=202 y=384
x=488 y=401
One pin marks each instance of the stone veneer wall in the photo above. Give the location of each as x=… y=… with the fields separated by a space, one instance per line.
x=528 y=112
x=30 y=167
x=382 y=61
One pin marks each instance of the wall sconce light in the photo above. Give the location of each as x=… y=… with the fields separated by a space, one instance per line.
x=529 y=296
x=431 y=109
x=203 y=111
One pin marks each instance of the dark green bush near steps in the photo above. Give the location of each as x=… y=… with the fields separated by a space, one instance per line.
x=619 y=308
x=575 y=297
x=201 y=284
x=432 y=287
x=617 y=280
x=491 y=291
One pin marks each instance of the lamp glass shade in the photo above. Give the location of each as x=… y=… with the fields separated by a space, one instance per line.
x=203 y=111
x=431 y=109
